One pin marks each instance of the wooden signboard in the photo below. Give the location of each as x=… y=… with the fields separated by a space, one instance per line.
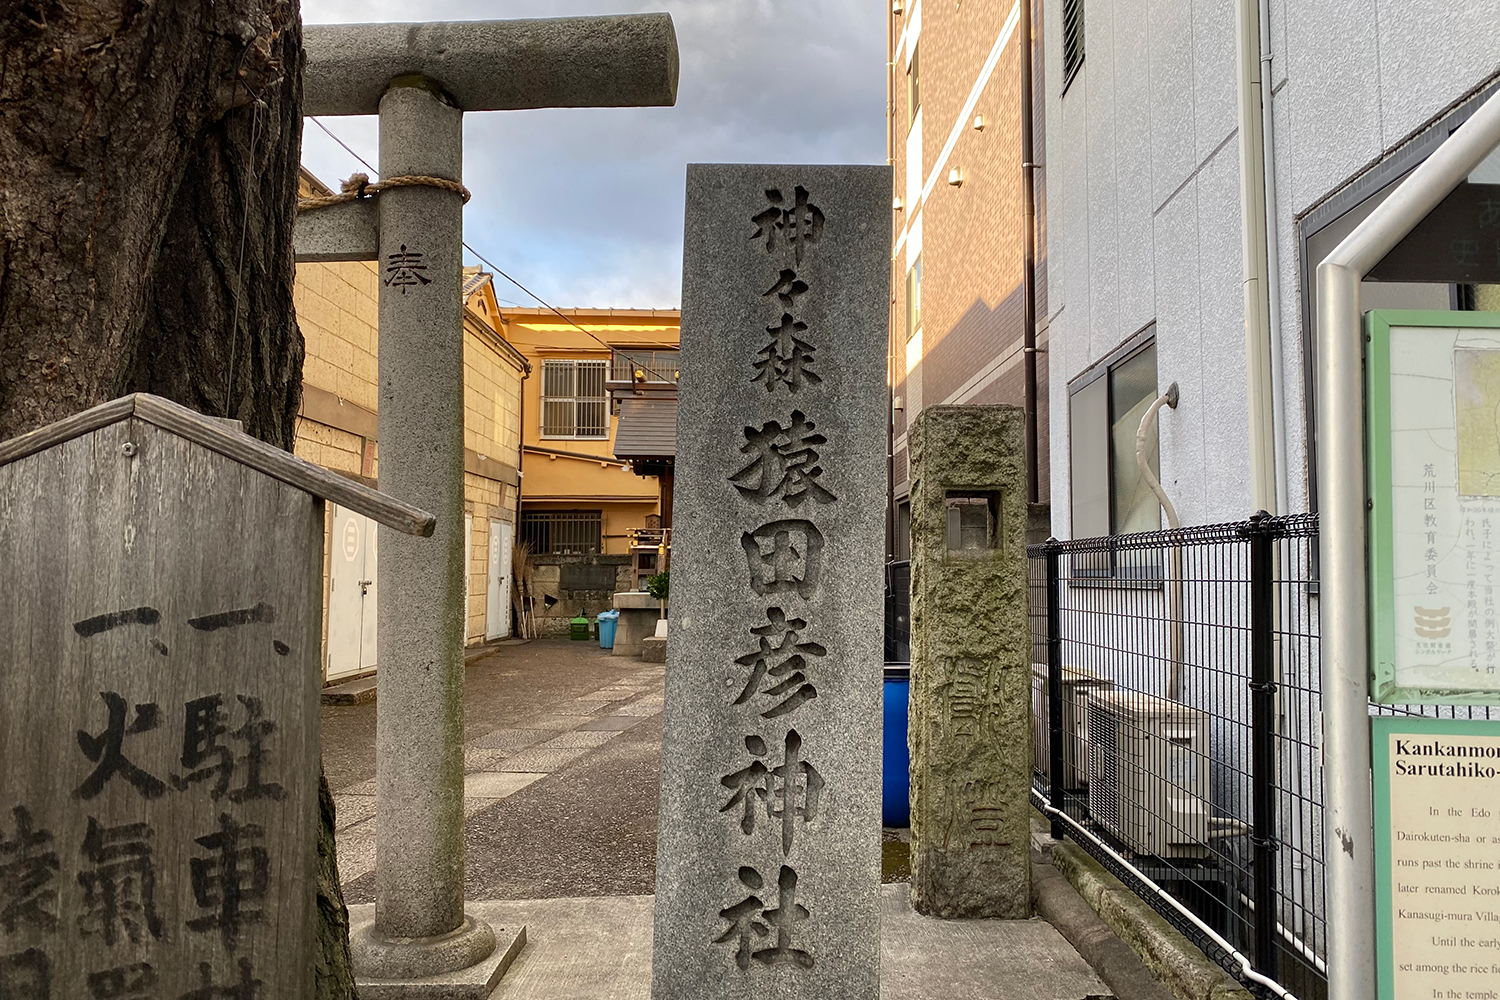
x=160 y=620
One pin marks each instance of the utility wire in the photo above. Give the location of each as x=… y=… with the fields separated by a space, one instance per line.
x=482 y=258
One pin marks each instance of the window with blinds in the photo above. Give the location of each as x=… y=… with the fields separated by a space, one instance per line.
x=1072 y=41
x=574 y=402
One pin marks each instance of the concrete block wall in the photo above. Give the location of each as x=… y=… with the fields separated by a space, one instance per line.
x=546 y=579
x=337 y=312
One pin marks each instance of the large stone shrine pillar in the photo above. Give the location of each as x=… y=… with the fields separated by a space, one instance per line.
x=970 y=713
x=419 y=865
x=768 y=856
x=421 y=78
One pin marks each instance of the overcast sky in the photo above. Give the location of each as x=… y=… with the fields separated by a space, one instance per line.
x=584 y=206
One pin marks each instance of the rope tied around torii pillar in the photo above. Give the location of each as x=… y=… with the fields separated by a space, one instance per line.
x=358 y=186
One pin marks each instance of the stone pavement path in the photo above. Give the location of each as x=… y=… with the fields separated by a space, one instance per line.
x=561 y=768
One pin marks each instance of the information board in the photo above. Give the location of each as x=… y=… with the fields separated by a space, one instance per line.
x=1433 y=448
x=1437 y=857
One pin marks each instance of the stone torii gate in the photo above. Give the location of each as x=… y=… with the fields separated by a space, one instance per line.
x=420 y=79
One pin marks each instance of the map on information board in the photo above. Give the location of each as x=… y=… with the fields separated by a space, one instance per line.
x=1433 y=448
x=1476 y=382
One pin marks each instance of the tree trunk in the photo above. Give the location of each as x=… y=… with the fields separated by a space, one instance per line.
x=149 y=154
x=148 y=186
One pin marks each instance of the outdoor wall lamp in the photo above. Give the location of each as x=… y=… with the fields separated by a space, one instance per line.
x=979 y=123
x=956 y=176
x=897 y=204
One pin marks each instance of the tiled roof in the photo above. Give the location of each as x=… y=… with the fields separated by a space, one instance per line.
x=648 y=429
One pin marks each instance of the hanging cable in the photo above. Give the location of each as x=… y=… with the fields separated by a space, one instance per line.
x=239 y=269
x=482 y=258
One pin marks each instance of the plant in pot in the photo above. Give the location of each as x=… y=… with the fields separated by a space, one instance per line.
x=657 y=586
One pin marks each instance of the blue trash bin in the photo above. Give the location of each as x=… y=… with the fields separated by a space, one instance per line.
x=895 y=785
x=607 y=622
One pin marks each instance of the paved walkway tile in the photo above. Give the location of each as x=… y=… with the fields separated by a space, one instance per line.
x=587 y=706
x=538 y=759
x=350 y=809
x=495 y=785
x=643 y=707
x=600 y=810
x=511 y=739
x=557 y=723
x=612 y=723
x=600 y=947
x=578 y=740
x=483 y=759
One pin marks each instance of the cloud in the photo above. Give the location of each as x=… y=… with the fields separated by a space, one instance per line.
x=585 y=206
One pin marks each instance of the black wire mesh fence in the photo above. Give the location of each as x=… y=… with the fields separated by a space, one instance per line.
x=1177 y=700
x=898 y=612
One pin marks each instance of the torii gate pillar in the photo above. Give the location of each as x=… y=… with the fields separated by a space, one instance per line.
x=421 y=78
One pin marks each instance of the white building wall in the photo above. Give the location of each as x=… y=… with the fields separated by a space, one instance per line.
x=1143 y=196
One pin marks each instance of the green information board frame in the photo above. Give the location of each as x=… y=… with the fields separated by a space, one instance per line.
x=1382 y=611
x=1382 y=728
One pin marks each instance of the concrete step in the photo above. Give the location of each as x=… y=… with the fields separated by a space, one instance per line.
x=654 y=650
x=360 y=691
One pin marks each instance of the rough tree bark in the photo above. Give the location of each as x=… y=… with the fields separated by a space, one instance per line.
x=148 y=184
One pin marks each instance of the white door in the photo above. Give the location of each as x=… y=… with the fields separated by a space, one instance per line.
x=368 y=584
x=351 y=595
x=468 y=569
x=497 y=611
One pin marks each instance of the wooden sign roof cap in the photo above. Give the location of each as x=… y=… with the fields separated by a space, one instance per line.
x=215 y=436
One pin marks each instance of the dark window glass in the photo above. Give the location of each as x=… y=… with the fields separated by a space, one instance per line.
x=914 y=298
x=914 y=86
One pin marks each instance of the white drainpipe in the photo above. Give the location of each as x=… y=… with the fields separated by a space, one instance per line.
x=1174 y=587
x=1259 y=388
x=1348 y=820
x=1273 y=260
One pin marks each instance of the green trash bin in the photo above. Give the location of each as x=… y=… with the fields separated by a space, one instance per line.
x=578 y=628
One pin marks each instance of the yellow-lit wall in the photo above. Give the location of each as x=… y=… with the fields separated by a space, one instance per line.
x=337 y=307
x=599 y=481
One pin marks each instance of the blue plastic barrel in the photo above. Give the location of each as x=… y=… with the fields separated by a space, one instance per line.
x=895 y=785
x=607 y=621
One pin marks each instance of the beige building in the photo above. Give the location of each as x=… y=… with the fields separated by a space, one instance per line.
x=337 y=428
x=599 y=437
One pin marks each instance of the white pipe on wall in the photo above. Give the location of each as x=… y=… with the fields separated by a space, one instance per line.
x=1273 y=262
x=1174 y=588
x=1349 y=817
x=1259 y=395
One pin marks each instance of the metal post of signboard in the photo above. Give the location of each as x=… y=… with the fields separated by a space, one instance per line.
x=1349 y=822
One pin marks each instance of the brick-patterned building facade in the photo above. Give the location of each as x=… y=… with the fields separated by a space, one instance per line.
x=337 y=306
x=958 y=216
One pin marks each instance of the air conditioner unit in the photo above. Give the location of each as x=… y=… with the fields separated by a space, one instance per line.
x=1148 y=773
x=1077 y=682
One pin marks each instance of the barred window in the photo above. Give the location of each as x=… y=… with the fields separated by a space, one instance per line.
x=1072 y=18
x=562 y=532
x=574 y=403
